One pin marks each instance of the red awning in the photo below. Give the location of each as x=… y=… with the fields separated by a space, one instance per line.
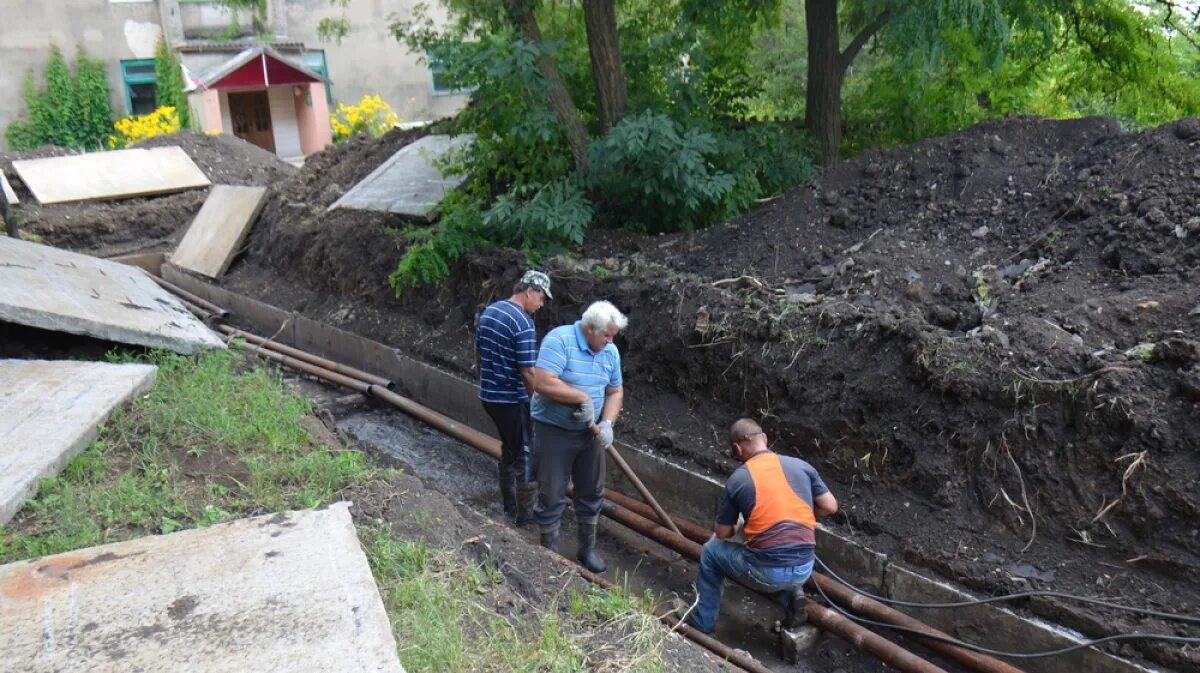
x=263 y=71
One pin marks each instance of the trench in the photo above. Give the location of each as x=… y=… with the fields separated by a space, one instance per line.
x=681 y=491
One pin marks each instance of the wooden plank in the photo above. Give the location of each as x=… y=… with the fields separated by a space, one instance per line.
x=213 y=239
x=110 y=175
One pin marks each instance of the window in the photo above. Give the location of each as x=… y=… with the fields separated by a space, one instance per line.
x=439 y=79
x=140 y=88
x=315 y=61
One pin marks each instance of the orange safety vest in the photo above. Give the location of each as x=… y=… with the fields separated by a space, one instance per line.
x=774 y=499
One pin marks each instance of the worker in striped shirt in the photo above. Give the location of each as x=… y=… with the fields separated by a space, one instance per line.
x=505 y=351
x=579 y=395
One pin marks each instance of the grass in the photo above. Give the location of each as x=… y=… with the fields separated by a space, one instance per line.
x=207 y=444
x=213 y=441
x=441 y=616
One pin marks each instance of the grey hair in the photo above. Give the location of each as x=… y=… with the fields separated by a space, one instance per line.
x=601 y=314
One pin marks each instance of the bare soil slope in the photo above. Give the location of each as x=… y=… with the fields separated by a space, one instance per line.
x=986 y=341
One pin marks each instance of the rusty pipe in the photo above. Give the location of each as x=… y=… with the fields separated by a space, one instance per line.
x=704 y=640
x=689 y=529
x=856 y=634
x=184 y=294
x=659 y=512
x=308 y=357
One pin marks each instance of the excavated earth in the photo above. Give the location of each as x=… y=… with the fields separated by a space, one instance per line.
x=986 y=342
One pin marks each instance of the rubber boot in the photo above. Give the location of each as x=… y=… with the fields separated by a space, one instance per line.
x=795 y=614
x=508 y=489
x=587 y=549
x=550 y=539
x=527 y=493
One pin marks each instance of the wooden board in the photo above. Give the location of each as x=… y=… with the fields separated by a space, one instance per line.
x=110 y=175
x=215 y=235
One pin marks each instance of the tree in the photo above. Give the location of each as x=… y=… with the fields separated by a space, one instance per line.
x=608 y=68
x=520 y=13
x=168 y=75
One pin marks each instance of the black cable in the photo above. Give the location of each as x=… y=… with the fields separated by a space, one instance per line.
x=1008 y=597
x=1000 y=653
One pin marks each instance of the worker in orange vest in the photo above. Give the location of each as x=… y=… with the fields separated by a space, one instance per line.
x=780 y=498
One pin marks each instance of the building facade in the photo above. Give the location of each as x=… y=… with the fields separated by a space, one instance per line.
x=265 y=77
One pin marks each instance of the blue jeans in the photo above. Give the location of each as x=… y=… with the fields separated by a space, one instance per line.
x=720 y=559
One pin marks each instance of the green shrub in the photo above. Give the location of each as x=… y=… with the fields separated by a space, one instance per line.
x=69 y=111
x=655 y=175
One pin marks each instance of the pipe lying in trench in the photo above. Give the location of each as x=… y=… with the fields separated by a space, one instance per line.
x=635 y=515
x=190 y=298
x=849 y=599
x=700 y=638
x=308 y=357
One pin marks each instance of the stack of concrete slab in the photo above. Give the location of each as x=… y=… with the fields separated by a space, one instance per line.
x=9 y=194
x=110 y=175
x=213 y=239
x=63 y=291
x=50 y=412
x=286 y=592
x=409 y=183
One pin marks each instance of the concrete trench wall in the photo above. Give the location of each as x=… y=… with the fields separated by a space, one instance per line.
x=680 y=491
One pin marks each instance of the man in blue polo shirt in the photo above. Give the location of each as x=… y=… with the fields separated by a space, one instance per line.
x=505 y=346
x=578 y=385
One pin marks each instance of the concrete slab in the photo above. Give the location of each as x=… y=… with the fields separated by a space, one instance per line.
x=286 y=592
x=110 y=175
x=408 y=183
x=220 y=227
x=50 y=411
x=54 y=289
x=8 y=190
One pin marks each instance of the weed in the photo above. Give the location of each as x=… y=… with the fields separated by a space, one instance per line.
x=131 y=481
x=1053 y=238
x=600 y=272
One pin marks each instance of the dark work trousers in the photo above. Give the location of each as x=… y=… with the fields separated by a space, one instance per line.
x=563 y=456
x=512 y=422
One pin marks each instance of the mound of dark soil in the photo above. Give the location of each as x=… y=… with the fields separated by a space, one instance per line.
x=109 y=228
x=987 y=343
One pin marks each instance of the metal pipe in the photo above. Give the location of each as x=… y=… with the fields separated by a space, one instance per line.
x=689 y=529
x=308 y=357
x=853 y=633
x=184 y=294
x=637 y=483
x=704 y=640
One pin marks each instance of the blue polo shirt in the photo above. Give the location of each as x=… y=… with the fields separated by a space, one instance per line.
x=565 y=353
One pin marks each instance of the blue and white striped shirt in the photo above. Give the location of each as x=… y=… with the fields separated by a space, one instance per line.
x=565 y=353
x=505 y=341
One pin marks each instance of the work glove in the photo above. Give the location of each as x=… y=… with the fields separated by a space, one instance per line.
x=585 y=413
x=604 y=436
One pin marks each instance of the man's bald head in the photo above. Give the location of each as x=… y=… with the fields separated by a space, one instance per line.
x=743 y=428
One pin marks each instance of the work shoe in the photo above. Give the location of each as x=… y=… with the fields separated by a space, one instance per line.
x=527 y=493
x=587 y=549
x=795 y=614
x=508 y=489
x=550 y=539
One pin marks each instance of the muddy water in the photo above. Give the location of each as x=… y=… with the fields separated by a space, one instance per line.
x=747 y=620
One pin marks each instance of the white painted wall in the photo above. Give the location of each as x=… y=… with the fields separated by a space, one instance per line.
x=283 y=122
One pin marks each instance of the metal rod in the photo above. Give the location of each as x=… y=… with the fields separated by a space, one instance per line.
x=819 y=615
x=308 y=357
x=184 y=294
x=637 y=483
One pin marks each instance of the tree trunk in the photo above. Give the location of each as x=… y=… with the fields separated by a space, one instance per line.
x=520 y=12
x=823 y=98
x=608 y=70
